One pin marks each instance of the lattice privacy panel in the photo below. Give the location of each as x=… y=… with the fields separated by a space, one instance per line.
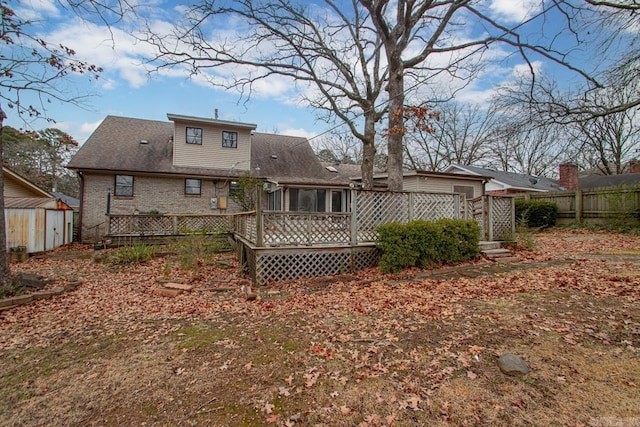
x=167 y=225
x=202 y=224
x=501 y=217
x=246 y=227
x=283 y=265
x=291 y=228
x=375 y=208
x=432 y=206
x=140 y=225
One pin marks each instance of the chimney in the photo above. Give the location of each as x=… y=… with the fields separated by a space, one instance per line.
x=634 y=166
x=569 y=176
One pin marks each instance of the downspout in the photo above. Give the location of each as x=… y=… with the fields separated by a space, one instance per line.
x=81 y=211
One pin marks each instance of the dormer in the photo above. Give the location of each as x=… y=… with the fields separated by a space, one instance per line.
x=211 y=143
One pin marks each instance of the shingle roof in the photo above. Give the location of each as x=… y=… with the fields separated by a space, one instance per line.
x=512 y=179
x=290 y=160
x=115 y=146
x=595 y=181
x=70 y=201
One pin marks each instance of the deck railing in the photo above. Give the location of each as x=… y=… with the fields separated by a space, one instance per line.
x=168 y=225
x=368 y=209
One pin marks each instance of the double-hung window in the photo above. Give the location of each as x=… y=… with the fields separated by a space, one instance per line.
x=229 y=139
x=192 y=187
x=194 y=135
x=123 y=186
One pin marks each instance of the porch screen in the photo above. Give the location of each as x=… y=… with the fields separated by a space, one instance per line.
x=307 y=200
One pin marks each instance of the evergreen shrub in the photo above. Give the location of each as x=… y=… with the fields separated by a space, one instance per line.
x=427 y=243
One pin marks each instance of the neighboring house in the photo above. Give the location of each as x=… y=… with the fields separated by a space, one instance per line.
x=569 y=177
x=470 y=185
x=34 y=218
x=503 y=183
x=74 y=204
x=192 y=165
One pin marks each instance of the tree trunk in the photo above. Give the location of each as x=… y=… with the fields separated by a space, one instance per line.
x=368 y=151
x=396 y=123
x=5 y=273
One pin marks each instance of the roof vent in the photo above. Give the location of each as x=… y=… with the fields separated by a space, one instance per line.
x=144 y=141
x=331 y=169
x=533 y=181
x=274 y=157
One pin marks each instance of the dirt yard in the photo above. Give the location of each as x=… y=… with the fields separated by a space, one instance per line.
x=364 y=349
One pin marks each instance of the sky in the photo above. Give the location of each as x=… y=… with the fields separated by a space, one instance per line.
x=126 y=89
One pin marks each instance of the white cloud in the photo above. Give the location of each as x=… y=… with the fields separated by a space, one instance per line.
x=523 y=70
x=515 y=10
x=297 y=132
x=83 y=131
x=116 y=51
x=37 y=9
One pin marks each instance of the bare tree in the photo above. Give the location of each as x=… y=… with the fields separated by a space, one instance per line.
x=520 y=146
x=339 y=146
x=333 y=53
x=350 y=53
x=460 y=137
x=608 y=142
x=615 y=51
x=31 y=65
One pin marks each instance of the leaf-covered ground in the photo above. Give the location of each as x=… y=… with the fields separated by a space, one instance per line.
x=360 y=349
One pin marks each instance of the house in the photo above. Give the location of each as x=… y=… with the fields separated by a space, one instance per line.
x=504 y=183
x=471 y=185
x=570 y=178
x=34 y=218
x=192 y=165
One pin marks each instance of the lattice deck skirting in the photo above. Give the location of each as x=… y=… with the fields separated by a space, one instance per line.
x=282 y=264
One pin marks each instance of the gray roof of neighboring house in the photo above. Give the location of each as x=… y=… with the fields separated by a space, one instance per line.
x=512 y=179
x=595 y=181
x=115 y=146
x=72 y=202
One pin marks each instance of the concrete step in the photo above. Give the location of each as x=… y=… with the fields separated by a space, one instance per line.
x=484 y=245
x=497 y=252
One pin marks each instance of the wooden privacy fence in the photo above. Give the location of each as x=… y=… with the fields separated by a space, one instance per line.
x=599 y=204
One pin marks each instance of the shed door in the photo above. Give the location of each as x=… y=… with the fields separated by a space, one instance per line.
x=54 y=234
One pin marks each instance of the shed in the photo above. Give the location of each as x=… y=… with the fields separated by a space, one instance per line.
x=33 y=217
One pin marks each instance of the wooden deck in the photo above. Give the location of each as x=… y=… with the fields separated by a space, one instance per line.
x=276 y=245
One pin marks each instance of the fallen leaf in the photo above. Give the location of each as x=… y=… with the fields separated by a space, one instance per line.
x=268 y=408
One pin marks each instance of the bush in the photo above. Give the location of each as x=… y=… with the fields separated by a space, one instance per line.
x=198 y=249
x=427 y=243
x=536 y=213
x=136 y=254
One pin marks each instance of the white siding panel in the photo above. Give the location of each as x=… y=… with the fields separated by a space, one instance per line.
x=439 y=185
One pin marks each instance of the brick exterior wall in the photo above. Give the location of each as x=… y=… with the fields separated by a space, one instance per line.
x=569 y=176
x=150 y=193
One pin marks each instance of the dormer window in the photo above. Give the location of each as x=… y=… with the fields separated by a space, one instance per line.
x=229 y=139
x=194 y=136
